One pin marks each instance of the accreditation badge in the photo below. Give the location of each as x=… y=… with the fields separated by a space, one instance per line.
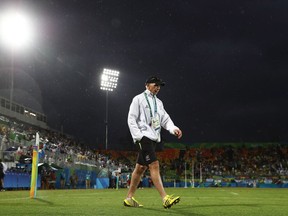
x=155 y=123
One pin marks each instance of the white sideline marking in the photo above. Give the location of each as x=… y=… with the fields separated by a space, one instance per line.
x=22 y=198
x=234 y=193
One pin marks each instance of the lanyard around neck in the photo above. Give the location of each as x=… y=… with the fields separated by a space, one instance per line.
x=155 y=104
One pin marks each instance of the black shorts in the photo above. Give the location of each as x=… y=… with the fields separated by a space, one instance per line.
x=146 y=154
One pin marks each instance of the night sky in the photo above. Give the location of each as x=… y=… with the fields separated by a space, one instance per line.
x=225 y=65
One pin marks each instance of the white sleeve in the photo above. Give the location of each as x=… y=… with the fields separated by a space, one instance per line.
x=133 y=115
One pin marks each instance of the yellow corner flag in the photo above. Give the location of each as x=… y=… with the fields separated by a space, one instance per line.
x=34 y=173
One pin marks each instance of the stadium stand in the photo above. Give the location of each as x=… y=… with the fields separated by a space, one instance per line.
x=242 y=165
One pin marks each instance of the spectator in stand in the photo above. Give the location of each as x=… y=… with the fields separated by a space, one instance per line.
x=73 y=180
x=141 y=183
x=19 y=153
x=4 y=141
x=150 y=182
x=52 y=180
x=44 y=179
x=88 y=180
x=128 y=179
x=62 y=179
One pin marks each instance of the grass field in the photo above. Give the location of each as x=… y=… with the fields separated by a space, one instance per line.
x=196 y=201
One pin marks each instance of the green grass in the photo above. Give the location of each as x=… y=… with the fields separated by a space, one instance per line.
x=196 y=201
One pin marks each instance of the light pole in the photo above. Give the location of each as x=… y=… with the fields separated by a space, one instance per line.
x=109 y=81
x=16 y=33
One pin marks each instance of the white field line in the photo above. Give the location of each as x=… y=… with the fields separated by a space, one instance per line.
x=44 y=196
x=14 y=199
x=234 y=193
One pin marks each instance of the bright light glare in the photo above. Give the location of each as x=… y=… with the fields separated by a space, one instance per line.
x=16 y=30
x=104 y=77
x=109 y=79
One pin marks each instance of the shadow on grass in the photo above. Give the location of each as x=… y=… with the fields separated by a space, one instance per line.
x=180 y=210
x=226 y=205
x=186 y=210
x=44 y=201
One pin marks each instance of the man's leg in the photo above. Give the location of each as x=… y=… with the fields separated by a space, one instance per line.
x=130 y=201
x=136 y=176
x=168 y=200
x=156 y=178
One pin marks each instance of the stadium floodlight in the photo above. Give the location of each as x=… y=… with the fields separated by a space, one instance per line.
x=16 y=33
x=109 y=81
x=16 y=29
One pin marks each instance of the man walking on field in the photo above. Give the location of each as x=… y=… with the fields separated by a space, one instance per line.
x=145 y=119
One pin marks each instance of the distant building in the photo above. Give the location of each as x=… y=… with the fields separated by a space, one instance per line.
x=22 y=113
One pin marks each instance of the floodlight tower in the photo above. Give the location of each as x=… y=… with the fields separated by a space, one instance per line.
x=16 y=33
x=109 y=81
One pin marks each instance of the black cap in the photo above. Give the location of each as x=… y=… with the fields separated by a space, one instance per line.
x=156 y=80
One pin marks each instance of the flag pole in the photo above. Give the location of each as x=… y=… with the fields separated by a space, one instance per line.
x=34 y=173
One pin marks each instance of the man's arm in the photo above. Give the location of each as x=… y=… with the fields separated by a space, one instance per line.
x=133 y=115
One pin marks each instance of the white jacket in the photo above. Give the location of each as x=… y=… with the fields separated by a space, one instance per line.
x=139 y=118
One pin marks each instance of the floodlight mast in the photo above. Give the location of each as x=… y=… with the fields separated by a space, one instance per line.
x=16 y=33
x=109 y=81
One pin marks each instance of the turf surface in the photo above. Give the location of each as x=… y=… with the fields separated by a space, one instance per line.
x=196 y=201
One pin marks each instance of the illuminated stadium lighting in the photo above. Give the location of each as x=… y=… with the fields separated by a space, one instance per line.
x=16 y=29
x=16 y=34
x=109 y=81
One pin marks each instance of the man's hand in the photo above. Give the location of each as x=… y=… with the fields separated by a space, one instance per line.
x=178 y=133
